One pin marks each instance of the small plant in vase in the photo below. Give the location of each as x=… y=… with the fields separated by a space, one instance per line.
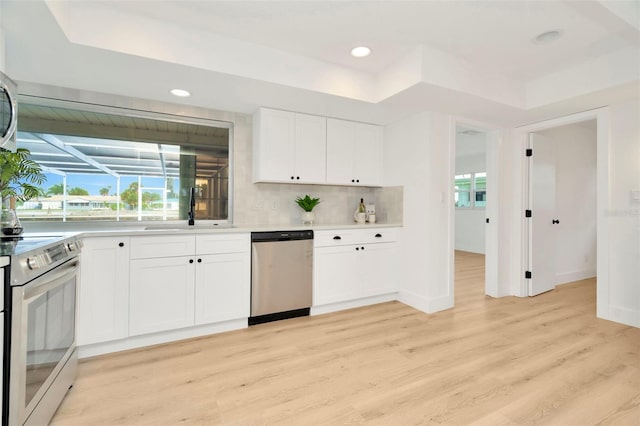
x=307 y=204
x=20 y=179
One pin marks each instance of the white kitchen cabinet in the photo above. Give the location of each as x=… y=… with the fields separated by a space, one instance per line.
x=103 y=312
x=354 y=153
x=346 y=271
x=208 y=280
x=222 y=287
x=162 y=292
x=289 y=147
x=335 y=276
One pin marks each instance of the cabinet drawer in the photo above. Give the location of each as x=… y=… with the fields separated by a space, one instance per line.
x=355 y=236
x=223 y=243
x=378 y=235
x=162 y=246
x=335 y=238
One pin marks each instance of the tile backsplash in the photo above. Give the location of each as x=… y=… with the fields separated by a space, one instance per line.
x=274 y=204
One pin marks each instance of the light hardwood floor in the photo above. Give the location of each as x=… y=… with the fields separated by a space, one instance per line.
x=543 y=360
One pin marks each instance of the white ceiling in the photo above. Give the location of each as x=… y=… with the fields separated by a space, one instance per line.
x=470 y=58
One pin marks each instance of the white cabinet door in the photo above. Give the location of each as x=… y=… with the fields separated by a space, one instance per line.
x=354 y=153
x=368 y=154
x=377 y=269
x=161 y=294
x=103 y=308
x=310 y=149
x=289 y=147
x=223 y=287
x=335 y=274
x=273 y=139
x=341 y=136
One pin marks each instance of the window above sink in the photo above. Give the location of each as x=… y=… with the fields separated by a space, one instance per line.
x=115 y=164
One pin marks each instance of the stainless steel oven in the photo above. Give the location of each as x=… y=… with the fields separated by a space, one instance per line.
x=42 y=354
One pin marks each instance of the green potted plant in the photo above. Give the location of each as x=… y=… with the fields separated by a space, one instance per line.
x=20 y=180
x=307 y=204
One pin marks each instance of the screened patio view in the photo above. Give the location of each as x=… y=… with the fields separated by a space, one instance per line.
x=105 y=166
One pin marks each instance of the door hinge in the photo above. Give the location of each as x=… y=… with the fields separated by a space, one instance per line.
x=527 y=213
x=529 y=152
x=527 y=274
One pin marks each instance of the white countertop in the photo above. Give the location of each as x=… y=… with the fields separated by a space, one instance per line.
x=177 y=229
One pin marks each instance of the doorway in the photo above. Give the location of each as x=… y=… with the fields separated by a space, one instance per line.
x=562 y=231
x=470 y=200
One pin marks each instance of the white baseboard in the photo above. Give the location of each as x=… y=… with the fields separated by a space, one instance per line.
x=569 y=277
x=471 y=249
x=159 y=338
x=619 y=314
x=423 y=304
x=350 y=304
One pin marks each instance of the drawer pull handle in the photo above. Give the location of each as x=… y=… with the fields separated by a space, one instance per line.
x=337 y=237
x=378 y=235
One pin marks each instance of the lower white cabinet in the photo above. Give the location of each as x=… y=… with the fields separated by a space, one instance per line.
x=132 y=286
x=222 y=287
x=345 y=270
x=335 y=276
x=103 y=308
x=161 y=295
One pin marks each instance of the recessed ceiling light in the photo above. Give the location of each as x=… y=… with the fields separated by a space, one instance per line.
x=180 y=92
x=547 y=37
x=360 y=51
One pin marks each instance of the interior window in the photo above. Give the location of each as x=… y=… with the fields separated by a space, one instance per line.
x=124 y=165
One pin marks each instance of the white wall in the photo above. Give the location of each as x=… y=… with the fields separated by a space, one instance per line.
x=576 y=201
x=418 y=157
x=471 y=157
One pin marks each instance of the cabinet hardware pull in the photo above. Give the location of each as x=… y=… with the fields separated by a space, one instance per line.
x=291 y=177
x=378 y=235
x=199 y=260
x=298 y=178
x=353 y=180
x=555 y=221
x=120 y=244
x=357 y=248
x=337 y=237
x=358 y=180
x=190 y=260
x=361 y=248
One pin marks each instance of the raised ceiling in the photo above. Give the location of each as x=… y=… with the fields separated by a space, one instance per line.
x=470 y=58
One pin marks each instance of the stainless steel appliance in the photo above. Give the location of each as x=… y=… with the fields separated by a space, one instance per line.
x=8 y=112
x=281 y=275
x=40 y=358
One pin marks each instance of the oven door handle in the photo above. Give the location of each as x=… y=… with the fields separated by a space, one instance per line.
x=52 y=280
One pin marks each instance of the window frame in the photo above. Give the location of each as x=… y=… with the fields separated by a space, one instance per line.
x=145 y=110
x=472 y=191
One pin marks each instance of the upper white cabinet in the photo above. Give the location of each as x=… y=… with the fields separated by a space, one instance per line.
x=354 y=153
x=288 y=147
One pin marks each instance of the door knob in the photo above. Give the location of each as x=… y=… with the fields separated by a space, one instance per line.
x=554 y=221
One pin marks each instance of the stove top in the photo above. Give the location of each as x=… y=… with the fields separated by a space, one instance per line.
x=32 y=255
x=13 y=246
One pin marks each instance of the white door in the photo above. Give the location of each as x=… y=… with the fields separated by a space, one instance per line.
x=492 y=215
x=368 y=159
x=341 y=137
x=542 y=202
x=335 y=274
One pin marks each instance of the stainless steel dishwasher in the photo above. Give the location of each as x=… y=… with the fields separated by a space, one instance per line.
x=281 y=275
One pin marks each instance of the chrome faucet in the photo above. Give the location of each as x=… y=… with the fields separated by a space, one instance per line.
x=192 y=204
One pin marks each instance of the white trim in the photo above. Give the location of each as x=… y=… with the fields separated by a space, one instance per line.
x=159 y=338
x=350 y=304
x=569 y=277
